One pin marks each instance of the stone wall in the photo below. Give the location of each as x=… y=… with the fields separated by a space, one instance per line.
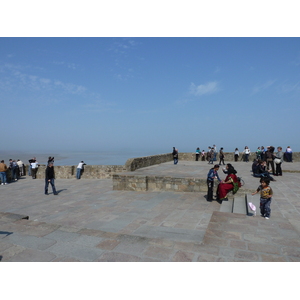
x=90 y=172
x=157 y=183
x=142 y=162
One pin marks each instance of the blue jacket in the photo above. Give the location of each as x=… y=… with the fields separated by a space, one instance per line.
x=212 y=174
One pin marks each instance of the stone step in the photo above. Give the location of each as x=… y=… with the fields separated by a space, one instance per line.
x=239 y=205
x=227 y=206
x=256 y=201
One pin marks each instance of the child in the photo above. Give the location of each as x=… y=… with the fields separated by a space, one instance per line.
x=265 y=197
x=212 y=174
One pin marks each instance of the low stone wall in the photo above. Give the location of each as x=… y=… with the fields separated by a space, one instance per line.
x=157 y=183
x=90 y=172
x=147 y=161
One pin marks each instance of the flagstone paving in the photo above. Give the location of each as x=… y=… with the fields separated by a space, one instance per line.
x=88 y=221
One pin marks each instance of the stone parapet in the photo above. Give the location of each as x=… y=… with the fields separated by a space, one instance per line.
x=90 y=172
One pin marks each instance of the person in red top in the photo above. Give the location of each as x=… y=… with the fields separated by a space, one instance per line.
x=230 y=183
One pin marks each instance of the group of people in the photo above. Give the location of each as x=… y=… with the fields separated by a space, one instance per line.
x=232 y=183
x=16 y=169
x=266 y=161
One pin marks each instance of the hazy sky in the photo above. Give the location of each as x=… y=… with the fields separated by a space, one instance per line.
x=139 y=93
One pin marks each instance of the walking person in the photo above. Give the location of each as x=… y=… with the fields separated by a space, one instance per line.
x=212 y=174
x=266 y=194
x=175 y=155
x=221 y=156
x=212 y=155
x=80 y=169
x=3 y=169
x=49 y=178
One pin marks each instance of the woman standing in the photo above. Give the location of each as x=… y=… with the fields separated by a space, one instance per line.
x=246 y=153
x=279 y=156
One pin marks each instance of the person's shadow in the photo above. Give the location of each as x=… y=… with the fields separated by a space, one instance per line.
x=6 y=232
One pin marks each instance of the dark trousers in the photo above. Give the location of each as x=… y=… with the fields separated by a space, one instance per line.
x=33 y=173
x=271 y=162
x=197 y=157
x=210 y=187
x=265 y=207
x=236 y=157
x=278 y=169
x=52 y=184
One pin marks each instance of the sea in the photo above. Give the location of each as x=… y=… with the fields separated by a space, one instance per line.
x=72 y=158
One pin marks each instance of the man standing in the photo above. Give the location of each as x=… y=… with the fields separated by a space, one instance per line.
x=3 y=169
x=80 y=169
x=49 y=178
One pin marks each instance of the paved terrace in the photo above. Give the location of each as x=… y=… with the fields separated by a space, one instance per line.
x=88 y=221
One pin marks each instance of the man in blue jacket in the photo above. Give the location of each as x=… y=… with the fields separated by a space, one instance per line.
x=212 y=174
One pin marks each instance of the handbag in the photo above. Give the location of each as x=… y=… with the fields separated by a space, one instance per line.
x=277 y=161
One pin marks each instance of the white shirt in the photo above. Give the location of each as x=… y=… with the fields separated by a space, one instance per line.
x=80 y=165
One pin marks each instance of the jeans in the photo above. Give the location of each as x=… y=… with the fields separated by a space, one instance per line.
x=246 y=157
x=3 y=177
x=265 y=208
x=52 y=184
x=78 y=174
x=175 y=161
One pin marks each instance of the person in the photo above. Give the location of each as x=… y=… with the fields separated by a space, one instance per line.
x=32 y=160
x=197 y=153
x=269 y=156
x=3 y=169
x=13 y=167
x=208 y=154
x=212 y=155
x=203 y=155
x=289 y=154
x=258 y=153
x=279 y=158
x=212 y=174
x=50 y=159
x=246 y=154
x=34 y=169
x=221 y=156
x=175 y=155
x=21 y=167
x=236 y=154
x=49 y=178
x=261 y=171
x=262 y=154
x=266 y=194
x=230 y=183
x=215 y=152
x=80 y=169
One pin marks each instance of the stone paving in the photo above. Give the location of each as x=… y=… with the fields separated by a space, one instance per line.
x=90 y=222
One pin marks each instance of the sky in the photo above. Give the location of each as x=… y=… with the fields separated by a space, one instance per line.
x=148 y=93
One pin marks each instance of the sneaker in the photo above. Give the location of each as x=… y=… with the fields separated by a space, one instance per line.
x=2 y=183
x=267 y=218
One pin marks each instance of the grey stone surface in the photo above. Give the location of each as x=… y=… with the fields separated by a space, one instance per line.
x=88 y=221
